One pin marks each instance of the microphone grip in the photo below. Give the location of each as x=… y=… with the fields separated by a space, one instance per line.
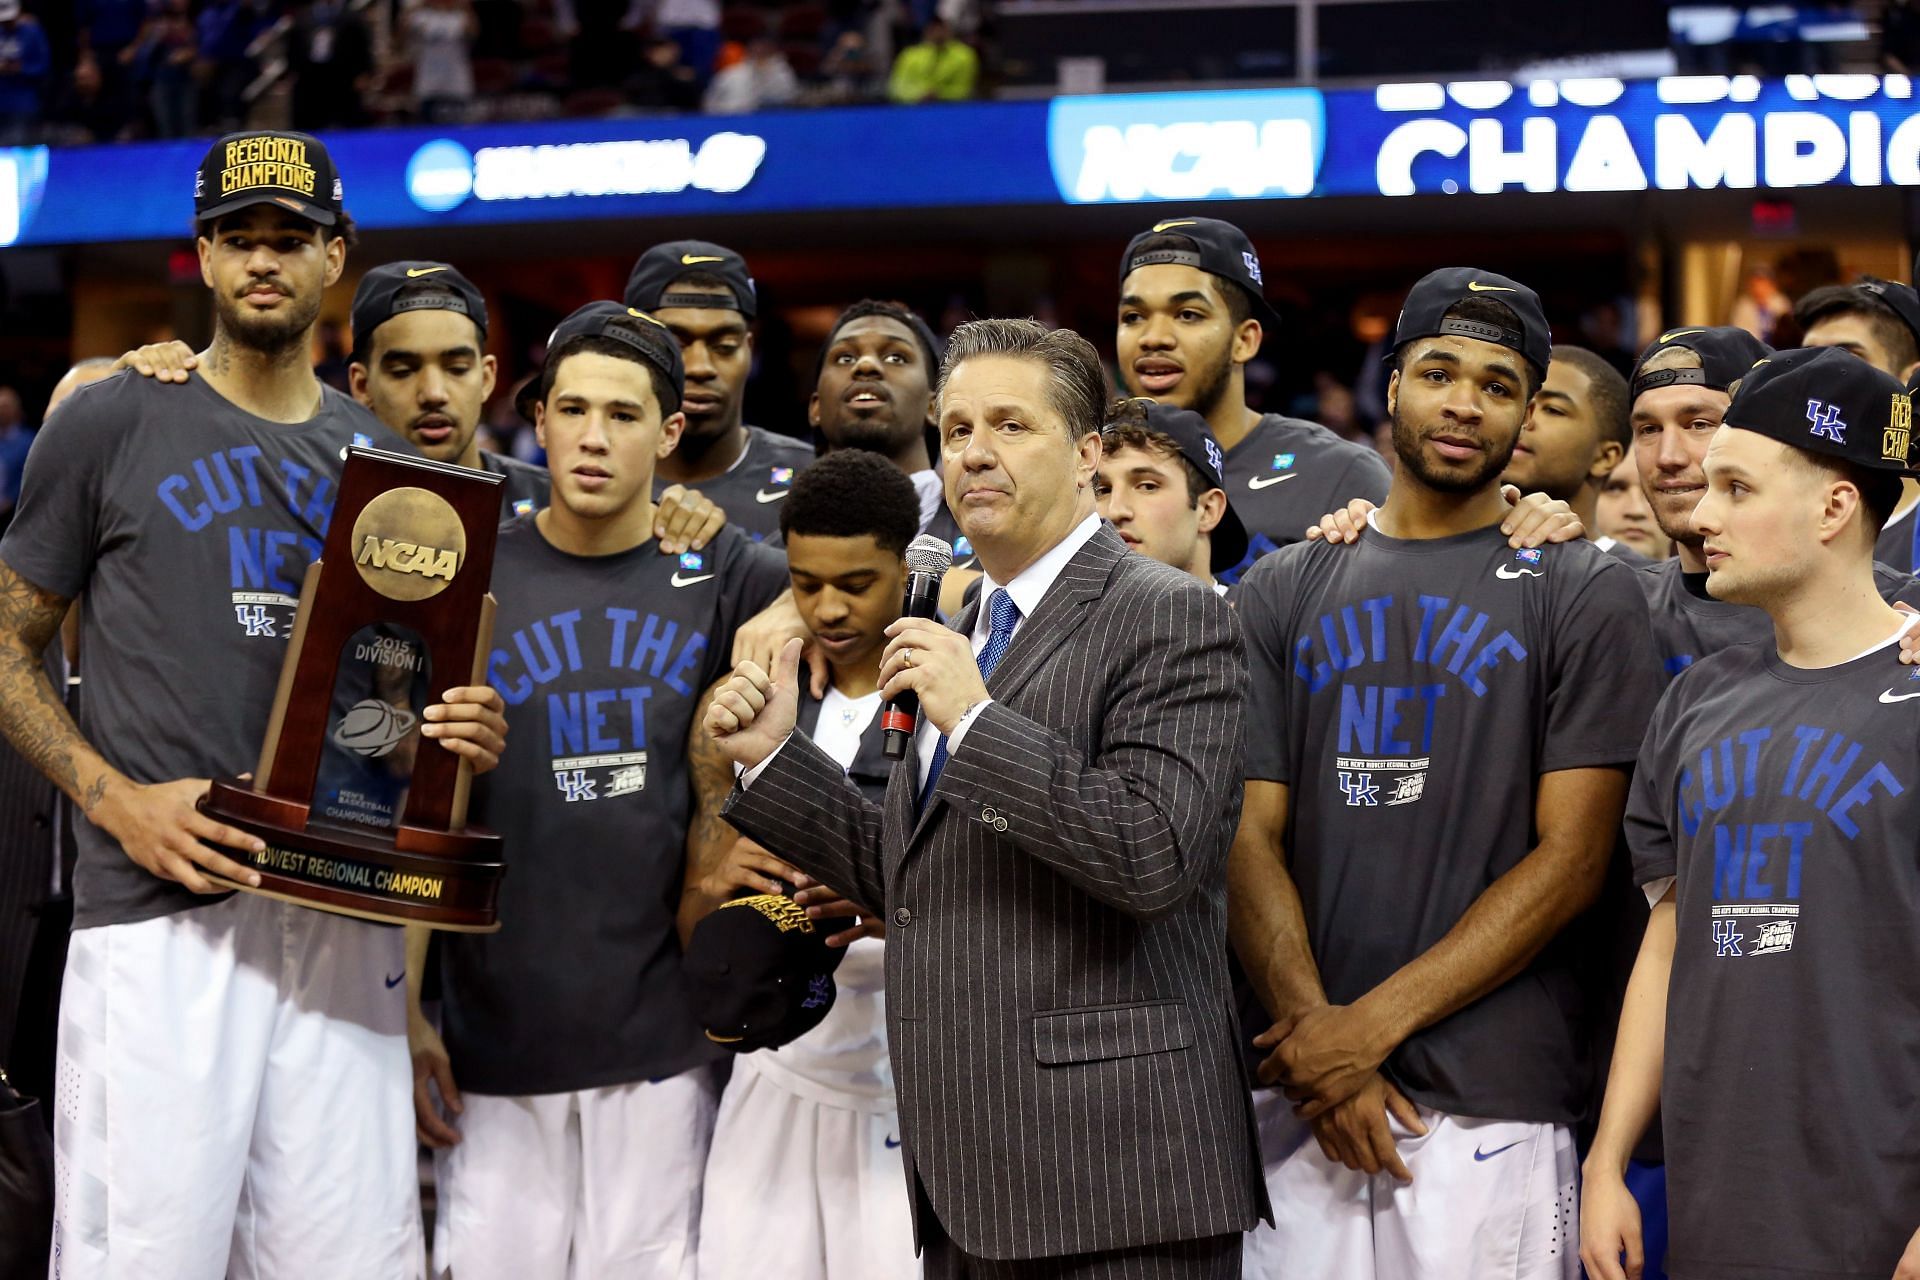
x=899 y=717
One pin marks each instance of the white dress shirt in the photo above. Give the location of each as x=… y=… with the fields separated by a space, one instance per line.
x=1028 y=588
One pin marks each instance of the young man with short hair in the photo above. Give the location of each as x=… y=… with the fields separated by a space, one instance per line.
x=807 y=1145
x=705 y=296
x=1771 y=822
x=1432 y=801
x=1159 y=485
x=1191 y=315
x=1879 y=321
x=1575 y=434
x=874 y=390
x=582 y=1084
x=233 y=1099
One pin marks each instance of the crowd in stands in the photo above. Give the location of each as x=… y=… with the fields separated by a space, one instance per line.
x=74 y=72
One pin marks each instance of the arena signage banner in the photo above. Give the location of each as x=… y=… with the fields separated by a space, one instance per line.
x=1464 y=138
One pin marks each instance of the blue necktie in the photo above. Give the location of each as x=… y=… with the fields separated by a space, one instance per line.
x=1004 y=614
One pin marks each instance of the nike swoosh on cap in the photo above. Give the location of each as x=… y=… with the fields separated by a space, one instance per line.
x=1474 y=286
x=688 y=259
x=414 y=273
x=762 y=495
x=1671 y=334
x=679 y=581
x=1267 y=482
x=1165 y=226
x=1891 y=697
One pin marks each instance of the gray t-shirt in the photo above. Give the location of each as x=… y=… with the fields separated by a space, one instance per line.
x=601 y=661
x=189 y=524
x=1781 y=798
x=524 y=487
x=1411 y=694
x=1689 y=624
x=751 y=490
x=1894 y=547
x=1286 y=474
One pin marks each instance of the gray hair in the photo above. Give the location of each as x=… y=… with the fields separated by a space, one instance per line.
x=1077 y=386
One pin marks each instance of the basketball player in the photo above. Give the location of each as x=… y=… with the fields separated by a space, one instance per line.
x=1159 y=485
x=1879 y=321
x=1192 y=314
x=1771 y=822
x=232 y=1092
x=1623 y=513
x=1575 y=435
x=584 y=1087
x=1399 y=901
x=704 y=294
x=806 y=1148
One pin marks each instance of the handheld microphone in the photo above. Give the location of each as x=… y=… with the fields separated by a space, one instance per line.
x=928 y=559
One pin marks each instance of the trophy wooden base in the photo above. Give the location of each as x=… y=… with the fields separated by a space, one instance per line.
x=405 y=875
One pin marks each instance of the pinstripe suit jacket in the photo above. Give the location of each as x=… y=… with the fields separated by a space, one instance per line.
x=1057 y=995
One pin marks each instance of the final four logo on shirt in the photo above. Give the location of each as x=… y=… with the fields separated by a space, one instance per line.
x=691 y=561
x=1528 y=555
x=1283 y=462
x=522 y=505
x=780 y=475
x=962 y=548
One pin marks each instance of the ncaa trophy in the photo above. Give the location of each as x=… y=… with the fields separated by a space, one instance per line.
x=356 y=818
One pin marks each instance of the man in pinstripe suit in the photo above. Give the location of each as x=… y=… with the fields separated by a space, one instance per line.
x=1050 y=858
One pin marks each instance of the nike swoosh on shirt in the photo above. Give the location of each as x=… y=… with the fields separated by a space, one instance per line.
x=1474 y=286
x=1269 y=481
x=688 y=259
x=892 y=1143
x=679 y=581
x=1509 y=572
x=1891 y=697
x=414 y=273
x=769 y=495
x=395 y=980
x=1478 y=1154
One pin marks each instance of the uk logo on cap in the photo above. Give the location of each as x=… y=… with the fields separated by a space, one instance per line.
x=1253 y=265
x=1213 y=454
x=1826 y=421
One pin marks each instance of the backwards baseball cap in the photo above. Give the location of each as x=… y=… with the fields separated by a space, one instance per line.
x=760 y=972
x=630 y=325
x=1424 y=313
x=1829 y=401
x=1215 y=247
x=435 y=286
x=1726 y=353
x=292 y=170
x=1194 y=439
x=1901 y=299
x=662 y=265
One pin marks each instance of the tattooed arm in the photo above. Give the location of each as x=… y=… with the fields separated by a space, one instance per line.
x=720 y=860
x=156 y=825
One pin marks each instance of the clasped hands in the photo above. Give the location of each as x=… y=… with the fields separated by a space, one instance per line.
x=1326 y=1061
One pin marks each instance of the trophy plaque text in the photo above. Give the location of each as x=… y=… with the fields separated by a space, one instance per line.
x=362 y=815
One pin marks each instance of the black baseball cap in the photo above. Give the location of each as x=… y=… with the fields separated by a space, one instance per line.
x=1829 y=401
x=438 y=287
x=1215 y=247
x=1424 y=313
x=663 y=264
x=1194 y=439
x=623 y=324
x=270 y=166
x=1901 y=299
x=1726 y=353
x=760 y=972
